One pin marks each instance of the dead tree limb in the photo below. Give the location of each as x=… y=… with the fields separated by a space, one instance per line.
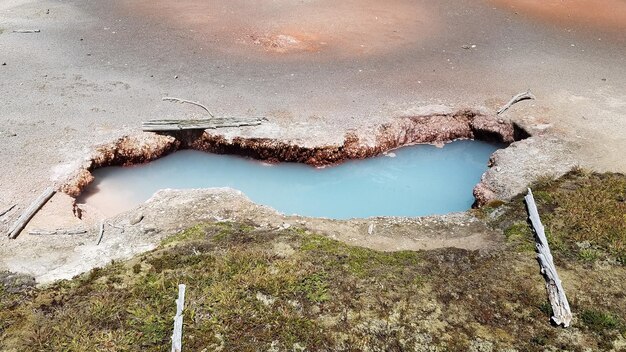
x=177 y=335
x=58 y=232
x=26 y=31
x=2 y=213
x=516 y=99
x=178 y=100
x=562 y=314
x=202 y=124
x=101 y=233
x=28 y=214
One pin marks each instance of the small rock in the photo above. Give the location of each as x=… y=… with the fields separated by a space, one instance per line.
x=176 y=77
x=136 y=219
x=466 y=47
x=4 y=64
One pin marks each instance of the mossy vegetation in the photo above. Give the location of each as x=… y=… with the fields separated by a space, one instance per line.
x=584 y=215
x=250 y=288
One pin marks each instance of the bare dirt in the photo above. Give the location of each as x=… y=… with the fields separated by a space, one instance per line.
x=318 y=70
x=608 y=16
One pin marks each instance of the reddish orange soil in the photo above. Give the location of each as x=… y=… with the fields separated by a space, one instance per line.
x=343 y=28
x=607 y=15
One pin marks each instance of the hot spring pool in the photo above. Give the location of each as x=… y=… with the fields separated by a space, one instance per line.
x=419 y=180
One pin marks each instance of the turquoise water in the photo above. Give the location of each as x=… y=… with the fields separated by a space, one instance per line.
x=419 y=180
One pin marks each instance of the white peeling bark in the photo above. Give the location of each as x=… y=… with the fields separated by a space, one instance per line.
x=562 y=314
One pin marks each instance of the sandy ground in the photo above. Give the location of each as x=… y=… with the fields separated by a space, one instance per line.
x=317 y=69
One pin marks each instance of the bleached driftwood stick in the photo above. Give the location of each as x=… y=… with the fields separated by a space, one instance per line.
x=7 y=210
x=119 y=227
x=26 y=31
x=177 y=336
x=58 y=232
x=199 y=124
x=188 y=102
x=28 y=214
x=516 y=99
x=562 y=314
x=101 y=233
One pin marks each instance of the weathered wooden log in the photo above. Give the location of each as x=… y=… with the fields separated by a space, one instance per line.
x=177 y=335
x=100 y=233
x=562 y=314
x=57 y=232
x=28 y=214
x=7 y=209
x=201 y=124
x=516 y=99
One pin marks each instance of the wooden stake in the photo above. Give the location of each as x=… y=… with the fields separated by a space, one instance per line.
x=201 y=124
x=188 y=102
x=177 y=335
x=562 y=314
x=28 y=214
x=516 y=99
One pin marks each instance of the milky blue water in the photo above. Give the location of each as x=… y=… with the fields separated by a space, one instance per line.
x=419 y=180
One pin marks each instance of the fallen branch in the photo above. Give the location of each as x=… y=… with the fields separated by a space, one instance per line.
x=177 y=335
x=178 y=100
x=562 y=314
x=28 y=214
x=26 y=31
x=58 y=232
x=516 y=99
x=101 y=233
x=8 y=210
x=203 y=124
x=119 y=227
